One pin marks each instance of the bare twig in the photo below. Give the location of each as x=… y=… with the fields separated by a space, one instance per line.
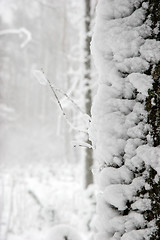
x=60 y=106
x=73 y=102
x=32 y=194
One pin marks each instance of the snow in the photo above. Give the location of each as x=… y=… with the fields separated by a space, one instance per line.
x=48 y=202
x=150 y=50
x=6 y=11
x=122 y=55
x=62 y=232
x=142 y=204
x=39 y=189
x=118 y=194
x=40 y=77
x=150 y=155
x=137 y=234
x=113 y=176
x=141 y=82
x=40 y=192
x=41 y=174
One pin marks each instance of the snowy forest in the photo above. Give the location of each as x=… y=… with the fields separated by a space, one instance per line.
x=80 y=120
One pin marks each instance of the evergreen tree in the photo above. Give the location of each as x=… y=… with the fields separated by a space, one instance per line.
x=153 y=110
x=125 y=122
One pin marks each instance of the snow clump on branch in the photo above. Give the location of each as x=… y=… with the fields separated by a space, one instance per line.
x=119 y=130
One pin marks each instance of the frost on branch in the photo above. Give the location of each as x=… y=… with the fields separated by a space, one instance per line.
x=43 y=80
x=126 y=119
x=40 y=77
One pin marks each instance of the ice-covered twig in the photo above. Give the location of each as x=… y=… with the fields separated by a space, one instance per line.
x=19 y=31
x=28 y=37
x=82 y=144
x=73 y=102
x=60 y=106
x=40 y=77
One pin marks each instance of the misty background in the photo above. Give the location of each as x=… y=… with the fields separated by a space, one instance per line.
x=42 y=160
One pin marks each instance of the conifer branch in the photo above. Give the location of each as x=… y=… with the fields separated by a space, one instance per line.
x=18 y=31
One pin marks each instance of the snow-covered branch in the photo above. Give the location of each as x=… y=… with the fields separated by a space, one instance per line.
x=82 y=144
x=20 y=32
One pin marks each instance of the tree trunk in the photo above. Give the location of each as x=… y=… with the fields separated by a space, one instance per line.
x=88 y=95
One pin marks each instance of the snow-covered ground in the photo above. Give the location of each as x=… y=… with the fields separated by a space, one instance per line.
x=39 y=190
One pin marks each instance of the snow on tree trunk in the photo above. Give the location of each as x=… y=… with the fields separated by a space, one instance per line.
x=125 y=119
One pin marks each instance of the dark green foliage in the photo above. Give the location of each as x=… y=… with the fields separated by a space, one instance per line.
x=154 y=11
x=153 y=109
x=154 y=195
x=153 y=106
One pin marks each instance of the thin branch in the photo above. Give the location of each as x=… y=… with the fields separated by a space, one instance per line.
x=73 y=102
x=82 y=144
x=54 y=92
x=60 y=106
x=32 y=194
x=28 y=37
x=19 y=32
